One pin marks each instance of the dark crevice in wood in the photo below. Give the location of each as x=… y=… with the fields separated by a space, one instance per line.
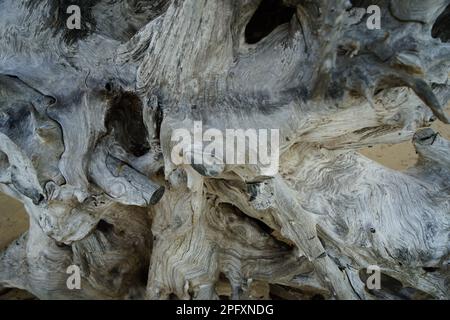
x=441 y=28
x=104 y=226
x=269 y=15
x=125 y=119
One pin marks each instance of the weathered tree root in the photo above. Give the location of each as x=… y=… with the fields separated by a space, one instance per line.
x=86 y=119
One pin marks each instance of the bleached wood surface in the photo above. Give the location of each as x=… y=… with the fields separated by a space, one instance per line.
x=86 y=119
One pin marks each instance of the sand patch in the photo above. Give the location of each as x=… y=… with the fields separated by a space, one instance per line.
x=402 y=156
x=13 y=220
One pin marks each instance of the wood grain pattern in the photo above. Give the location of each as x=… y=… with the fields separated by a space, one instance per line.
x=86 y=120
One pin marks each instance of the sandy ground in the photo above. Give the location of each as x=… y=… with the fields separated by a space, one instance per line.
x=401 y=156
x=16 y=294
x=14 y=221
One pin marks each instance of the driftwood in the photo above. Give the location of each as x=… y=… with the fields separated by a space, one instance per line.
x=87 y=116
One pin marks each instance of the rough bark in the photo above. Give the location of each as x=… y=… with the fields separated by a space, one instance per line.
x=86 y=118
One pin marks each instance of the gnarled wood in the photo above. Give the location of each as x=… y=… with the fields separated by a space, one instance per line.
x=87 y=116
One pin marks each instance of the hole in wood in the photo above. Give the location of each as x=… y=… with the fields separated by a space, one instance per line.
x=125 y=119
x=269 y=15
x=441 y=28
